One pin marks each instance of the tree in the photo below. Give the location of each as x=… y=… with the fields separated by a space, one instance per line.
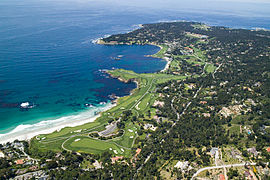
x=51 y=165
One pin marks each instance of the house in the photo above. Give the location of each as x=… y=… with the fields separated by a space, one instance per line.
x=138 y=151
x=33 y=168
x=258 y=84
x=158 y=103
x=236 y=154
x=29 y=163
x=191 y=86
x=2 y=155
x=97 y=164
x=214 y=151
x=20 y=161
x=221 y=177
x=189 y=50
x=161 y=95
x=211 y=108
x=268 y=149
x=181 y=165
x=206 y=114
x=21 y=171
x=150 y=126
x=203 y=102
x=247 y=175
x=114 y=159
x=253 y=151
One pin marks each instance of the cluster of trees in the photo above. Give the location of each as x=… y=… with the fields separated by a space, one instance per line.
x=242 y=53
x=5 y=169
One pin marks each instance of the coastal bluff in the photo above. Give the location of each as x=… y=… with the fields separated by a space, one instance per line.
x=101 y=41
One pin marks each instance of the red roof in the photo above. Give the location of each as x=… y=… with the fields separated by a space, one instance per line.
x=20 y=161
x=268 y=149
x=138 y=151
x=203 y=102
x=221 y=177
x=116 y=158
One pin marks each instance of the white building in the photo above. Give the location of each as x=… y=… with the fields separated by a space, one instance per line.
x=182 y=165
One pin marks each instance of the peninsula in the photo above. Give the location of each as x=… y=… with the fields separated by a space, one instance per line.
x=206 y=115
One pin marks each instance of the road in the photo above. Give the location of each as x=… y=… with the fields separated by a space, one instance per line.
x=218 y=167
x=148 y=157
x=183 y=112
x=28 y=157
x=139 y=100
x=216 y=70
x=179 y=115
x=174 y=110
x=178 y=118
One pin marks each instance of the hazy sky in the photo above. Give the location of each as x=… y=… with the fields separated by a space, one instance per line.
x=240 y=7
x=248 y=8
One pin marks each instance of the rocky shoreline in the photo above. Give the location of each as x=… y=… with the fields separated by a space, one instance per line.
x=124 y=80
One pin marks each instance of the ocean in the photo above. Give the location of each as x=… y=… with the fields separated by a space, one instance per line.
x=48 y=56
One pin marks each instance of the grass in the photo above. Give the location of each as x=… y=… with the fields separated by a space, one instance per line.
x=89 y=145
x=139 y=102
x=142 y=97
x=161 y=52
x=129 y=137
x=197 y=58
x=201 y=26
x=174 y=65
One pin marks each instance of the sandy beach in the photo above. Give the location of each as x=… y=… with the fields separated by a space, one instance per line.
x=26 y=132
x=167 y=65
x=165 y=58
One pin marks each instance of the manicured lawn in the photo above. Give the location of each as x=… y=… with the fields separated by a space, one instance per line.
x=89 y=145
x=130 y=134
x=140 y=102
x=160 y=54
x=201 y=26
x=144 y=94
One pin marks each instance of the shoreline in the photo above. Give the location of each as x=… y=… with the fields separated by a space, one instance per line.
x=28 y=131
x=164 y=58
x=124 y=81
x=101 y=42
x=167 y=65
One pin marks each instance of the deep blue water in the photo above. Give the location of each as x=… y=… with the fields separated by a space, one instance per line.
x=47 y=56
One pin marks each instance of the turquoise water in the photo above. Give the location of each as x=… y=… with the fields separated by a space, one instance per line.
x=47 y=56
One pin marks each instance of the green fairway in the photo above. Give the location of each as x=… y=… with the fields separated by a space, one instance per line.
x=129 y=136
x=201 y=26
x=139 y=102
x=161 y=52
x=89 y=145
x=198 y=58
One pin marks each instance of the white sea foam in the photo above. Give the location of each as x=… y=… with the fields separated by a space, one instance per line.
x=94 y=41
x=28 y=131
